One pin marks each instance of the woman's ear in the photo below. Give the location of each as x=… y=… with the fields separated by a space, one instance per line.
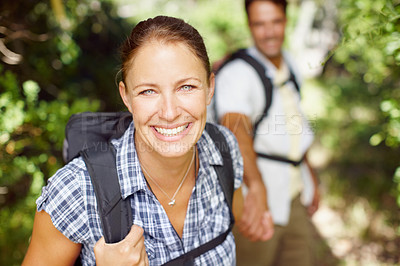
x=211 y=88
x=124 y=95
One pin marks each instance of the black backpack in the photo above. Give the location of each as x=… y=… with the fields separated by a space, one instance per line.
x=88 y=135
x=268 y=89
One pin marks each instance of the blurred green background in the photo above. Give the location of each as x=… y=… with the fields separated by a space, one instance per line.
x=61 y=57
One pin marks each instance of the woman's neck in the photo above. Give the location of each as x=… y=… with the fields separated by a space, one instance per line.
x=166 y=171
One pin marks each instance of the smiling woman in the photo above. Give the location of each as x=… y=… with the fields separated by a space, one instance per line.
x=168 y=104
x=165 y=162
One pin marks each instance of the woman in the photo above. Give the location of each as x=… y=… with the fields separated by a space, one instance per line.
x=164 y=161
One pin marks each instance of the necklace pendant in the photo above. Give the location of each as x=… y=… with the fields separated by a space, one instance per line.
x=172 y=203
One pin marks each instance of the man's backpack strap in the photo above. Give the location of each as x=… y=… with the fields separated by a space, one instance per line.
x=226 y=179
x=115 y=213
x=280 y=159
x=292 y=78
x=267 y=84
x=260 y=69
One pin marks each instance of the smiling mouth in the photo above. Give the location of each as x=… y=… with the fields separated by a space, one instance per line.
x=170 y=132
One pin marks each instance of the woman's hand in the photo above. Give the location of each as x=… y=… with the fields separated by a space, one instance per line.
x=256 y=222
x=129 y=251
x=268 y=226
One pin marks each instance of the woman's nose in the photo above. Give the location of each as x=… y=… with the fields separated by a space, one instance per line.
x=169 y=109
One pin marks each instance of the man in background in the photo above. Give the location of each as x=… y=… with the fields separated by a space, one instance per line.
x=273 y=141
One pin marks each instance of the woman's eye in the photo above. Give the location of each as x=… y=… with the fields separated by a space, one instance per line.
x=147 y=92
x=186 y=87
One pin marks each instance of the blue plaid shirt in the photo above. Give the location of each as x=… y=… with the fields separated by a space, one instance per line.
x=70 y=201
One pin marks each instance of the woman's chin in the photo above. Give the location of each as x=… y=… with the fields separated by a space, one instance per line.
x=173 y=149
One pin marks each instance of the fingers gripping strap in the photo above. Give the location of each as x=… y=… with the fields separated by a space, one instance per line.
x=115 y=213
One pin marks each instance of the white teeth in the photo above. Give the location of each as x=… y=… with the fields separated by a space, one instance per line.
x=170 y=131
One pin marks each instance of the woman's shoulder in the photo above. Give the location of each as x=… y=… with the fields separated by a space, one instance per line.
x=67 y=198
x=71 y=172
x=66 y=183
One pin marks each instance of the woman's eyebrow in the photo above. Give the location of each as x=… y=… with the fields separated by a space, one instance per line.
x=187 y=79
x=145 y=85
x=149 y=84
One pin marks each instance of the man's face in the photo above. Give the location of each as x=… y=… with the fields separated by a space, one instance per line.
x=267 y=22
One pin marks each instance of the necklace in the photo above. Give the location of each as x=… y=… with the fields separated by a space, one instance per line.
x=172 y=200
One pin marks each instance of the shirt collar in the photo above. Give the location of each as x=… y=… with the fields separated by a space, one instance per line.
x=130 y=174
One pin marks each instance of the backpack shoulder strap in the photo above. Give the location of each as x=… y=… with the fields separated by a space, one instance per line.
x=224 y=172
x=115 y=213
x=292 y=78
x=87 y=129
x=260 y=69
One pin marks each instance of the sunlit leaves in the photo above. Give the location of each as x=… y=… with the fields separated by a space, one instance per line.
x=396 y=179
x=11 y=116
x=31 y=136
x=391 y=129
x=69 y=50
x=391 y=109
x=369 y=28
x=370 y=50
x=393 y=46
x=31 y=90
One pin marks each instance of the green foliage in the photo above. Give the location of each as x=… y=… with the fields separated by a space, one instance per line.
x=371 y=49
x=31 y=136
x=391 y=129
x=352 y=116
x=370 y=35
x=225 y=28
x=362 y=126
x=66 y=68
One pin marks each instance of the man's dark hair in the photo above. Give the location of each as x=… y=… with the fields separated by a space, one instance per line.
x=282 y=3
